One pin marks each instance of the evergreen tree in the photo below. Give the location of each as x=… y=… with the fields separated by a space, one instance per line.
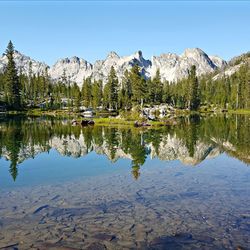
x=112 y=89
x=155 y=89
x=158 y=87
x=194 y=95
x=76 y=96
x=29 y=87
x=166 y=96
x=138 y=85
x=97 y=93
x=12 y=80
x=86 y=92
x=125 y=93
x=106 y=96
x=151 y=91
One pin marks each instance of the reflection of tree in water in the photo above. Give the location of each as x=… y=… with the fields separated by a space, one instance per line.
x=97 y=136
x=111 y=138
x=192 y=134
x=155 y=137
x=87 y=135
x=138 y=152
x=136 y=171
x=13 y=141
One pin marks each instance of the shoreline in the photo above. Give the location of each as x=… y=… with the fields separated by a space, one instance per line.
x=120 y=121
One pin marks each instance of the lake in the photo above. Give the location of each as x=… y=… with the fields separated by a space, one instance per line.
x=185 y=186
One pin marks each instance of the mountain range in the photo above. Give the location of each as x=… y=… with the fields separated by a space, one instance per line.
x=172 y=66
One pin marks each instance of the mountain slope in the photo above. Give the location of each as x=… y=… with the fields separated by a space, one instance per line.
x=233 y=65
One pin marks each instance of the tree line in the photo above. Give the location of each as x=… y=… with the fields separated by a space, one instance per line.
x=19 y=90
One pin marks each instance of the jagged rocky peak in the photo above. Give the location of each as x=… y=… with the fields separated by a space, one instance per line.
x=218 y=62
x=72 y=60
x=76 y=69
x=139 y=59
x=101 y=68
x=198 y=56
x=174 y=67
x=22 y=63
x=67 y=60
x=112 y=54
x=138 y=55
x=194 y=52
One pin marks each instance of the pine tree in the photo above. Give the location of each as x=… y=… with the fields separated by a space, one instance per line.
x=86 y=92
x=151 y=91
x=12 y=80
x=106 y=96
x=125 y=93
x=76 y=95
x=247 y=90
x=158 y=87
x=112 y=88
x=97 y=93
x=138 y=85
x=2 y=89
x=166 y=96
x=194 y=95
x=29 y=88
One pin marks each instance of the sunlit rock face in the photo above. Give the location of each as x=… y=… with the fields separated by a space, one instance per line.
x=172 y=66
x=101 y=68
x=22 y=63
x=218 y=62
x=76 y=69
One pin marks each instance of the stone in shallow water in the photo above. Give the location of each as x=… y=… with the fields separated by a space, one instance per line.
x=189 y=194
x=178 y=174
x=183 y=237
x=70 y=212
x=105 y=237
x=172 y=242
x=55 y=197
x=96 y=246
x=40 y=208
x=163 y=243
x=9 y=246
x=205 y=239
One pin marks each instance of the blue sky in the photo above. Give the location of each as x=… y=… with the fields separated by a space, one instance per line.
x=49 y=30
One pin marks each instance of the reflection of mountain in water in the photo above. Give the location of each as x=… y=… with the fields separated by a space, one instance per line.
x=191 y=142
x=171 y=148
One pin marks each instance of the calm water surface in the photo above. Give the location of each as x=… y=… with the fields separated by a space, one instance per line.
x=178 y=187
